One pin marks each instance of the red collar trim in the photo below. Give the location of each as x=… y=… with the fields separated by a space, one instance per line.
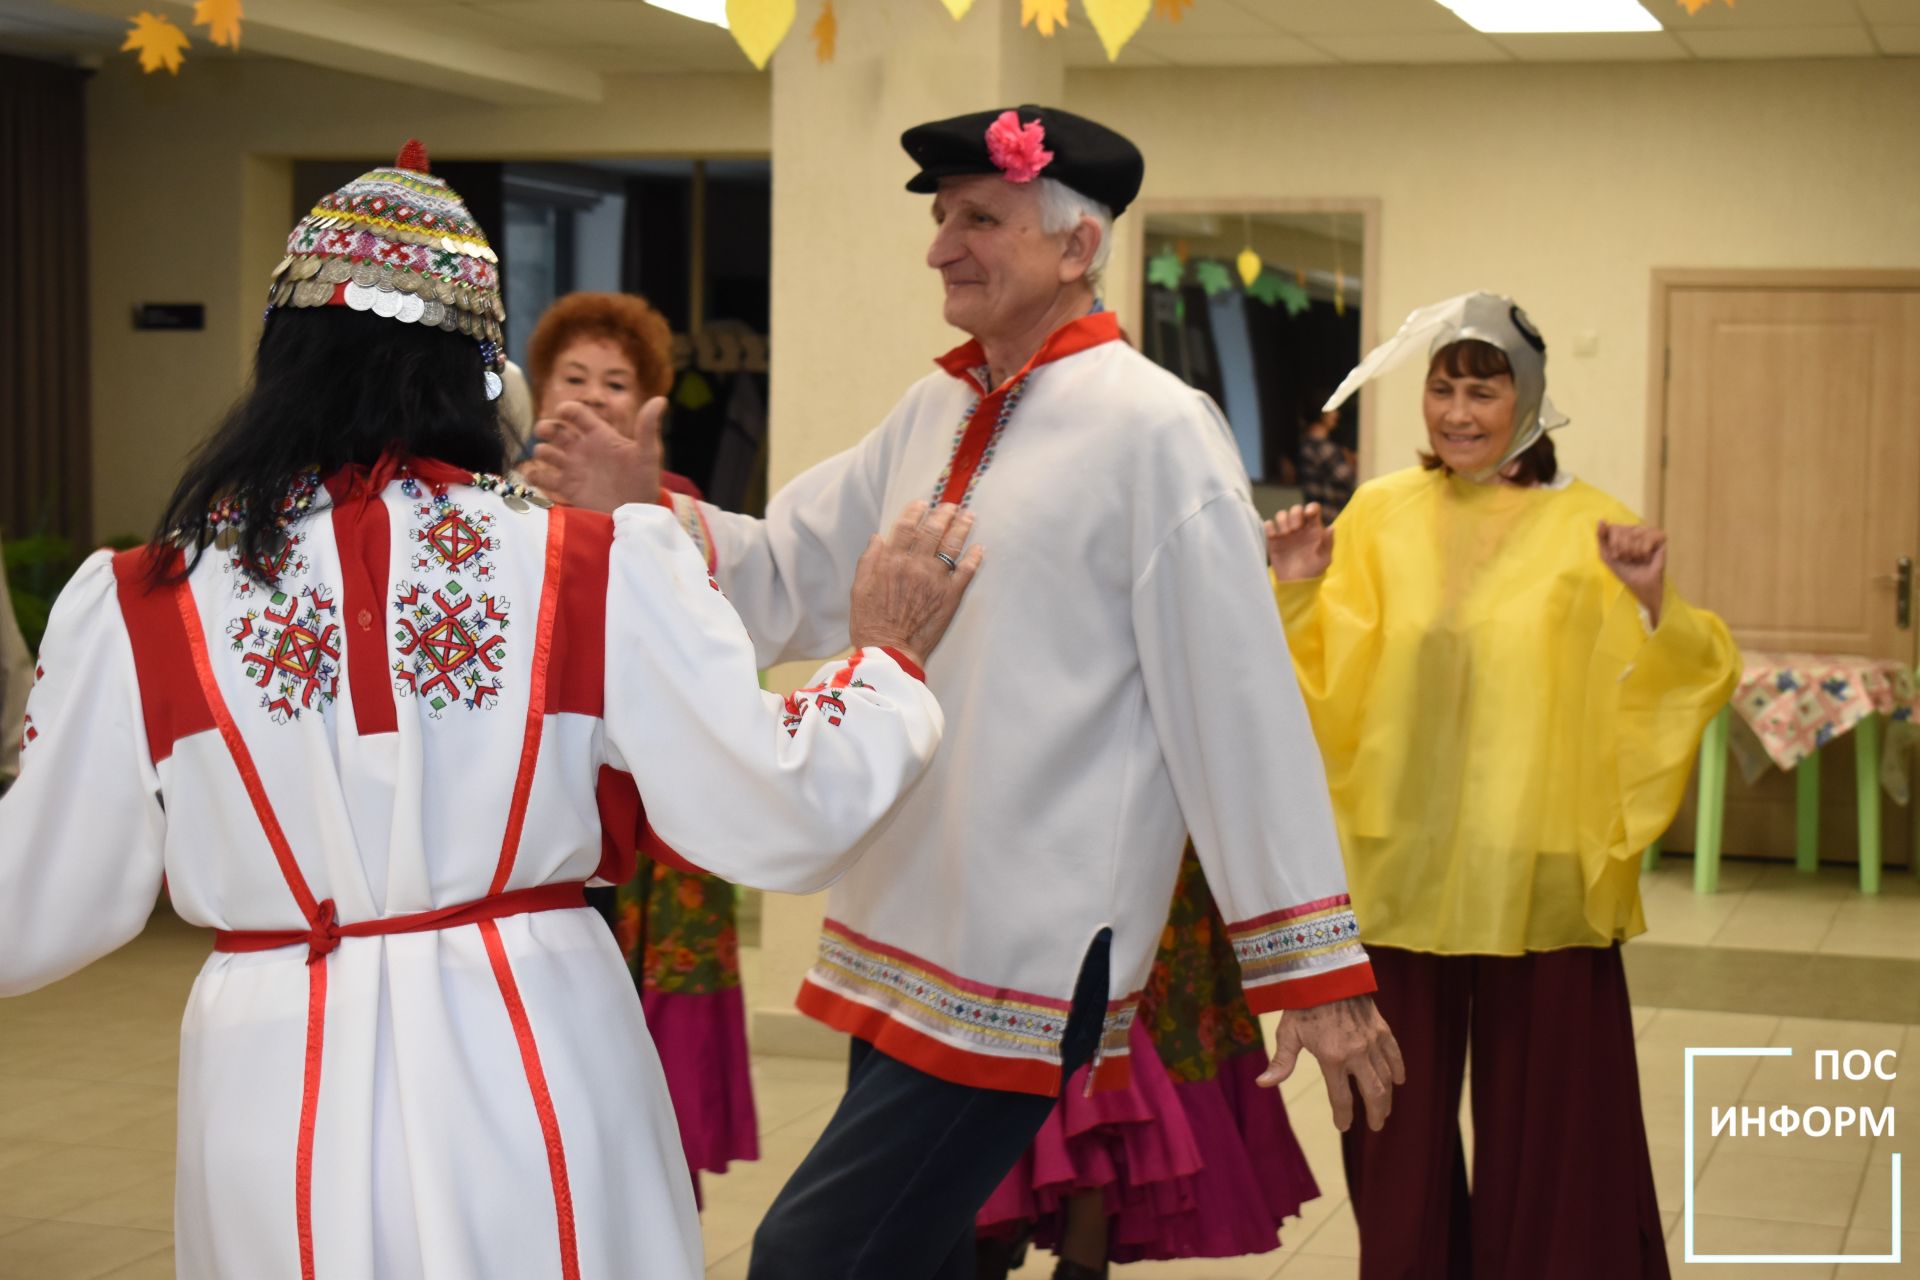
x=1071 y=338
x=358 y=480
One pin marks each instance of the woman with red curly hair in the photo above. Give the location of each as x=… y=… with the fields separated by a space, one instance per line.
x=612 y=354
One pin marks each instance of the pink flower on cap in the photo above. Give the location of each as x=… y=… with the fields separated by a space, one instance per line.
x=1017 y=150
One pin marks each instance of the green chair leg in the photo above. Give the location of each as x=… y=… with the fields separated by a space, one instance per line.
x=1650 y=860
x=1711 y=824
x=1806 y=813
x=1866 y=746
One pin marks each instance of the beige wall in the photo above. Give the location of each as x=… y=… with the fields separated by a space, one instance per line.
x=1564 y=186
x=190 y=187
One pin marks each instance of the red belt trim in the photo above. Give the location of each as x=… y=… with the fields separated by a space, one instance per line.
x=326 y=935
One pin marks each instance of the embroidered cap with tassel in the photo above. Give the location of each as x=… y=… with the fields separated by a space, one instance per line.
x=399 y=242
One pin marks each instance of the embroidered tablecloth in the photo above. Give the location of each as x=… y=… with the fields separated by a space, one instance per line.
x=1796 y=703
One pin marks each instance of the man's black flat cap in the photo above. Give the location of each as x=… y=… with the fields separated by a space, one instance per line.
x=1025 y=143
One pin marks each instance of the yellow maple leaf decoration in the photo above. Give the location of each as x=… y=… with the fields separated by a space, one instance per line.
x=1045 y=14
x=158 y=42
x=221 y=18
x=826 y=31
x=1174 y=10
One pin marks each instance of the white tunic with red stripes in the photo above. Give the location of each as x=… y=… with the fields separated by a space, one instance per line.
x=415 y=1052
x=1117 y=677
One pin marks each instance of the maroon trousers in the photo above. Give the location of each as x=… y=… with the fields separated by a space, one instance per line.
x=1562 y=1186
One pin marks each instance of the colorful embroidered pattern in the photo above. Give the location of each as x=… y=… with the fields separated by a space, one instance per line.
x=450 y=646
x=687 y=511
x=825 y=697
x=288 y=563
x=453 y=539
x=938 y=1004
x=290 y=649
x=27 y=732
x=1318 y=935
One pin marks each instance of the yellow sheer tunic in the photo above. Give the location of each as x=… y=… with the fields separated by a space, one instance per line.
x=1503 y=735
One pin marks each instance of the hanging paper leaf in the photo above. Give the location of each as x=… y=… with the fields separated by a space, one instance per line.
x=1267 y=288
x=1166 y=270
x=1294 y=297
x=1213 y=277
x=825 y=32
x=221 y=18
x=758 y=27
x=1045 y=14
x=1249 y=264
x=1695 y=6
x=1173 y=10
x=1183 y=251
x=1115 y=22
x=1300 y=277
x=1339 y=294
x=158 y=42
x=958 y=8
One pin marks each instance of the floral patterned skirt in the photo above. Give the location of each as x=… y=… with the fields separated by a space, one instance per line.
x=1196 y=1161
x=677 y=931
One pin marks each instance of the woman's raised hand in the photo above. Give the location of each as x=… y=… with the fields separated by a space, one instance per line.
x=1637 y=555
x=1299 y=544
x=583 y=461
x=908 y=585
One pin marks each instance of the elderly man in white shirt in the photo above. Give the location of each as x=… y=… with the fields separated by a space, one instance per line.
x=1119 y=679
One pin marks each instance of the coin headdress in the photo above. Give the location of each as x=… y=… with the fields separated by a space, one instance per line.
x=398 y=242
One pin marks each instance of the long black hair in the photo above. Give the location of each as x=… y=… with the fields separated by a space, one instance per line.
x=331 y=387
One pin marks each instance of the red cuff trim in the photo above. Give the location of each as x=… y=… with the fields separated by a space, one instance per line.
x=666 y=498
x=907 y=664
x=1313 y=989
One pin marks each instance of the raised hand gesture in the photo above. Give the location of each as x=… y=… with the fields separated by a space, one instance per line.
x=583 y=461
x=1299 y=544
x=1637 y=555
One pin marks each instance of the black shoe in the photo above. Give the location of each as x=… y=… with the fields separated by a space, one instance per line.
x=1074 y=1271
x=995 y=1257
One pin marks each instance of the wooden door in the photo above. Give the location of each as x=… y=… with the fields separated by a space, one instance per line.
x=1791 y=491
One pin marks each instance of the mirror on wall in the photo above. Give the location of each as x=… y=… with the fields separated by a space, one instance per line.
x=1267 y=339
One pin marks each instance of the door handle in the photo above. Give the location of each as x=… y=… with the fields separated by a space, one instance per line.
x=1901 y=580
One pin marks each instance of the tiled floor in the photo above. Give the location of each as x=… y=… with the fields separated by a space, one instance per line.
x=87 y=1072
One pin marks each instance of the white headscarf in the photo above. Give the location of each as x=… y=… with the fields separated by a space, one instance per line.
x=1492 y=319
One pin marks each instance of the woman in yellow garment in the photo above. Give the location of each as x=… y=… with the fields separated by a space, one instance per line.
x=1509 y=694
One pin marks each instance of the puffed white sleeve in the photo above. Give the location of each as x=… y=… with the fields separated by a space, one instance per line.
x=81 y=831
x=790 y=575
x=777 y=793
x=1233 y=730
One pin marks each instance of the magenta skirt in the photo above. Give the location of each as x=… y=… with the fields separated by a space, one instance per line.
x=1208 y=1169
x=702 y=1042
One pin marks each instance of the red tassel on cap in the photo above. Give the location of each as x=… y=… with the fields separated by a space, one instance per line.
x=413 y=156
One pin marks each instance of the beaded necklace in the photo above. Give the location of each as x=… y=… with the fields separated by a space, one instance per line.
x=1000 y=420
